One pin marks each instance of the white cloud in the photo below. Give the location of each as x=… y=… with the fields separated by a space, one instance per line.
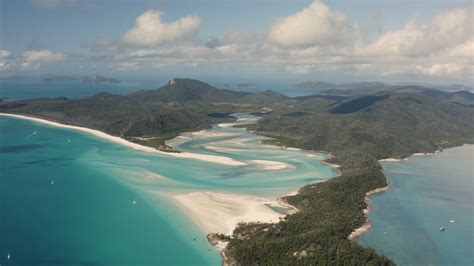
x=42 y=56
x=29 y=65
x=150 y=30
x=445 y=31
x=465 y=50
x=4 y=65
x=4 y=53
x=315 y=25
x=124 y=66
x=449 y=69
x=299 y=70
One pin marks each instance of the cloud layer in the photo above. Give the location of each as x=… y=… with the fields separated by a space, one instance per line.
x=315 y=25
x=314 y=40
x=150 y=30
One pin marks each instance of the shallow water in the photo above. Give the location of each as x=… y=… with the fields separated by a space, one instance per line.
x=426 y=192
x=67 y=197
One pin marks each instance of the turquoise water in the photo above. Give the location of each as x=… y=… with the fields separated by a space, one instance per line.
x=67 y=197
x=426 y=192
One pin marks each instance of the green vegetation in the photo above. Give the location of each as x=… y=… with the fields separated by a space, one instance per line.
x=145 y=117
x=357 y=131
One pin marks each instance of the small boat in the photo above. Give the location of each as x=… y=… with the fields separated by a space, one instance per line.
x=134 y=202
x=68 y=140
x=441 y=228
x=52 y=182
x=451 y=221
x=8 y=256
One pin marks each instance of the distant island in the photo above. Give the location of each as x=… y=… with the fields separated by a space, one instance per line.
x=314 y=85
x=356 y=130
x=247 y=85
x=364 y=88
x=95 y=79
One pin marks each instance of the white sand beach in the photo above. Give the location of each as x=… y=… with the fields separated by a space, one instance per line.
x=426 y=153
x=218 y=212
x=97 y=133
x=207 y=133
x=392 y=160
x=270 y=165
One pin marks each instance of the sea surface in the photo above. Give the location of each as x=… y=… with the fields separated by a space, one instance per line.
x=426 y=192
x=29 y=89
x=35 y=88
x=68 y=197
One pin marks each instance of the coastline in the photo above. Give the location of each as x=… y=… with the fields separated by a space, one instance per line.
x=119 y=140
x=255 y=211
x=221 y=212
x=235 y=208
x=367 y=224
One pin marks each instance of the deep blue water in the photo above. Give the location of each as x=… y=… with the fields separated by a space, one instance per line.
x=426 y=192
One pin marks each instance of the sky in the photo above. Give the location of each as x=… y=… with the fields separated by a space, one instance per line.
x=331 y=40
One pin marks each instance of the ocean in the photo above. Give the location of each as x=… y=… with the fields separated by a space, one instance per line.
x=68 y=197
x=425 y=194
x=35 y=88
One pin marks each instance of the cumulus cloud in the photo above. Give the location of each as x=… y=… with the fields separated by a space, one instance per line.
x=4 y=53
x=150 y=29
x=464 y=50
x=42 y=56
x=315 y=25
x=445 y=31
x=448 y=69
x=4 y=65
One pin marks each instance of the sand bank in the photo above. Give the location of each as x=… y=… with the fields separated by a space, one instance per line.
x=97 y=133
x=218 y=212
x=270 y=165
x=393 y=160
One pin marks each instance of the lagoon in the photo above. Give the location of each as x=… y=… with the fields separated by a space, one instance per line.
x=68 y=197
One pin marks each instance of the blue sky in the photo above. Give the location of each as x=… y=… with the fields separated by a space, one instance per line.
x=374 y=40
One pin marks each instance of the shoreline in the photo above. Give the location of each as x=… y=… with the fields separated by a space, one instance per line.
x=253 y=212
x=135 y=146
x=254 y=209
x=221 y=212
x=367 y=224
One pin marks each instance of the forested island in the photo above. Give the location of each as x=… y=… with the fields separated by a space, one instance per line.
x=356 y=130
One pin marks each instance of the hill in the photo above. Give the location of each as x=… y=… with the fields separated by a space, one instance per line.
x=181 y=105
x=321 y=85
x=358 y=132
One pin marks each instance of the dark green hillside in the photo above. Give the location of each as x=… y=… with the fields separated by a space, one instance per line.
x=358 y=131
x=394 y=126
x=184 y=105
x=181 y=90
x=357 y=104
